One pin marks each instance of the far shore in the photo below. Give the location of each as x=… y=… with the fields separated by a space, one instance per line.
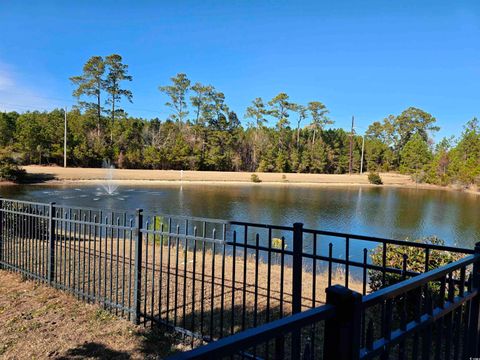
x=54 y=175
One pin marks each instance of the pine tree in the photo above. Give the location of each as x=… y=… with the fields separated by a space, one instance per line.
x=91 y=84
x=117 y=72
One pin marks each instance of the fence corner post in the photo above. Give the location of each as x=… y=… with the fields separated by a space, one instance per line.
x=51 y=243
x=474 y=313
x=297 y=268
x=137 y=292
x=342 y=333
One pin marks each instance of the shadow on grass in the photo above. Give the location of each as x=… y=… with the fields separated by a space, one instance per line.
x=158 y=341
x=155 y=343
x=155 y=340
x=94 y=350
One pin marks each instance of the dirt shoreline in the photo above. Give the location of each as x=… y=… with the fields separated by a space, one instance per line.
x=53 y=175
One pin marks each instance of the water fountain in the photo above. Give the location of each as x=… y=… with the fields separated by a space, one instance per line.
x=109 y=184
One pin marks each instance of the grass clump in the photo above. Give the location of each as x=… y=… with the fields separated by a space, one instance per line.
x=374 y=178
x=103 y=315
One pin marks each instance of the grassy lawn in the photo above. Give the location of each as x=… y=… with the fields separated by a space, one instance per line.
x=41 y=322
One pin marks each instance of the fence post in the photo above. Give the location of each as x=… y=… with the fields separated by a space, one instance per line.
x=137 y=292
x=51 y=243
x=297 y=268
x=1 y=233
x=342 y=333
x=474 y=313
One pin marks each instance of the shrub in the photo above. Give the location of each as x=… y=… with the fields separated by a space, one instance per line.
x=419 y=177
x=477 y=182
x=160 y=224
x=9 y=171
x=374 y=178
x=415 y=261
x=255 y=178
x=277 y=243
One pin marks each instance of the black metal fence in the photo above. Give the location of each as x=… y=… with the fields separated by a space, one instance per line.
x=206 y=279
x=434 y=315
x=296 y=336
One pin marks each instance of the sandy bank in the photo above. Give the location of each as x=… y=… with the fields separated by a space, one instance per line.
x=58 y=175
x=88 y=174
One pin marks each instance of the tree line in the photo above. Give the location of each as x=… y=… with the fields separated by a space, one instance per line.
x=203 y=133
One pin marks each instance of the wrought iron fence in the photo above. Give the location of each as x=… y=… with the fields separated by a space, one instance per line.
x=204 y=278
x=434 y=315
x=295 y=336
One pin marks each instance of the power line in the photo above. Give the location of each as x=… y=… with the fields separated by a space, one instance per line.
x=73 y=103
x=46 y=108
x=39 y=97
x=24 y=106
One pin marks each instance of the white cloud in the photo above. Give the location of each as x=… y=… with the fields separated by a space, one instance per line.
x=17 y=95
x=5 y=80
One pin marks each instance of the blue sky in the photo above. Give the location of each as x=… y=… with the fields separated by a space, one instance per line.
x=363 y=58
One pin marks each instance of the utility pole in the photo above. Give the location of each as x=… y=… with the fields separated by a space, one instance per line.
x=350 y=164
x=65 y=141
x=363 y=150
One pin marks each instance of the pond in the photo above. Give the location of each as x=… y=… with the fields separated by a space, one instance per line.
x=380 y=211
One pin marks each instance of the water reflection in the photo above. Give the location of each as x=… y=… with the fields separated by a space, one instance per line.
x=384 y=212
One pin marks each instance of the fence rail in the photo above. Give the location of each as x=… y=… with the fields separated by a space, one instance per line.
x=415 y=319
x=271 y=339
x=209 y=279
